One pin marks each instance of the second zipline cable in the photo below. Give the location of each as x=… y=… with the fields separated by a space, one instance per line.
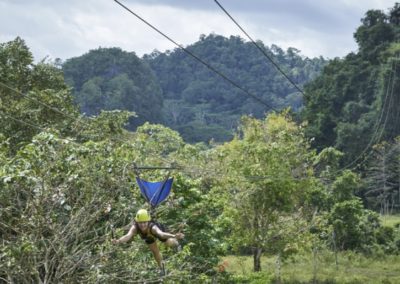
x=198 y=58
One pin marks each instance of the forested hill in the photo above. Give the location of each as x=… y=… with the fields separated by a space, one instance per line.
x=201 y=105
x=355 y=102
x=183 y=94
x=110 y=78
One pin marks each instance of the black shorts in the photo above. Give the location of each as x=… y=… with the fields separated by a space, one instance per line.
x=151 y=240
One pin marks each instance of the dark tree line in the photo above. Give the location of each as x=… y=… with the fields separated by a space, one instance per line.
x=354 y=106
x=110 y=78
x=201 y=105
x=183 y=94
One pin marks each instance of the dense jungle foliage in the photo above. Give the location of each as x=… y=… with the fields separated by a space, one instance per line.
x=354 y=106
x=185 y=95
x=67 y=179
x=355 y=93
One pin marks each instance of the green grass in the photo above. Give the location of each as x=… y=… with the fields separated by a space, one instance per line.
x=390 y=220
x=352 y=268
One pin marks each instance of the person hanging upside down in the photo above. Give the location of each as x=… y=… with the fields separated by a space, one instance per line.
x=149 y=232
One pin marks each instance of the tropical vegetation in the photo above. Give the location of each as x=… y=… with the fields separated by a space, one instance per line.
x=313 y=187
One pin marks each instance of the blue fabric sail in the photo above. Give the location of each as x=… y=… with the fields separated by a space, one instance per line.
x=155 y=192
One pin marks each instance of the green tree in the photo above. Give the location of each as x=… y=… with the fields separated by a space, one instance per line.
x=344 y=222
x=32 y=93
x=382 y=178
x=346 y=219
x=268 y=176
x=374 y=33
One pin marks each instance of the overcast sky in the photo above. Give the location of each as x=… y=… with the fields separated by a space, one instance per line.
x=69 y=28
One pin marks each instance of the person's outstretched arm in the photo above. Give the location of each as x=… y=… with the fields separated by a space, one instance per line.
x=132 y=232
x=164 y=235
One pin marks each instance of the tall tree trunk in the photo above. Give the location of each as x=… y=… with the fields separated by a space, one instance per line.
x=257 y=258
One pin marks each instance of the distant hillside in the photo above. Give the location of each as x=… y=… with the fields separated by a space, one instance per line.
x=178 y=91
x=201 y=105
x=110 y=78
x=354 y=104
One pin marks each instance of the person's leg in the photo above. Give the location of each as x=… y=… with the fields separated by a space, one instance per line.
x=172 y=242
x=156 y=253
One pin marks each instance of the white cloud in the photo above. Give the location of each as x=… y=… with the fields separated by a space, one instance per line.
x=70 y=28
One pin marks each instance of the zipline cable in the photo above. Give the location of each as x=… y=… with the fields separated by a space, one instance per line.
x=188 y=170
x=378 y=132
x=21 y=121
x=78 y=121
x=374 y=136
x=219 y=73
x=37 y=101
x=260 y=48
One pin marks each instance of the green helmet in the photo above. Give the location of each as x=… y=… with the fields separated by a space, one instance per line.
x=142 y=216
